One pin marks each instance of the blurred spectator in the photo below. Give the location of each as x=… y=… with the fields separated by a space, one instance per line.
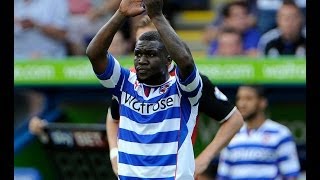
x=263 y=148
x=235 y=15
x=40 y=28
x=289 y=37
x=86 y=18
x=229 y=43
x=27 y=103
x=119 y=45
x=219 y=5
x=144 y=25
x=267 y=10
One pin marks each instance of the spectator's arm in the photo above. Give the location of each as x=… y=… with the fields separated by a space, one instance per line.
x=107 y=6
x=52 y=31
x=36 y=125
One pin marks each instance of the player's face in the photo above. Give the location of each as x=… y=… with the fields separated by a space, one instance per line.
x=150 y=62
x=247 y=101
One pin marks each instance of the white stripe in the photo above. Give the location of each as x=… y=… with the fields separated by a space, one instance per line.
x=195 y=99
x=147 y=149
x=292 y=163
x=150 y=128
x=253 y=171
x=229 y=115
x=146 y=171
x=289 y=166
x=112 y=82
x=192 y=119
x=193 y=85
x=223 y=169
x=132 y=77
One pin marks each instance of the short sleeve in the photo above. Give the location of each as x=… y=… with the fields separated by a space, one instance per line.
x=214 y=103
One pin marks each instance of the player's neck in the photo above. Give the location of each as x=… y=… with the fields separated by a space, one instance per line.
x=157 y=79
x=256 y=122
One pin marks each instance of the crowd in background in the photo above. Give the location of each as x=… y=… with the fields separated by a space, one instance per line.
x=62 y=28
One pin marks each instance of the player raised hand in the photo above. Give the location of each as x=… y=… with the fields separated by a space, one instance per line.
x=154 y=7
x=131 y=8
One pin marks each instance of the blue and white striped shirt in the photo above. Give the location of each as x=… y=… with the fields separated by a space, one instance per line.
x=268 y=153
x=154 y=139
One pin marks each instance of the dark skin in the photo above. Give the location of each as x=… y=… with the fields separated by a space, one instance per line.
x=151 y=62
x=173 y=44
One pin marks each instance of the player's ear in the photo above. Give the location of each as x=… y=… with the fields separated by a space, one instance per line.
x=263 y=103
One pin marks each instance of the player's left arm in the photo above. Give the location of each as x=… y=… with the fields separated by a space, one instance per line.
x=216 y=105
x=226 y=131
x=288 y=161
x=174 y=45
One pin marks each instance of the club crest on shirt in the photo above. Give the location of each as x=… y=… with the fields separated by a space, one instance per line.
x=164 y=88
x=136 y=85
x=266 y=138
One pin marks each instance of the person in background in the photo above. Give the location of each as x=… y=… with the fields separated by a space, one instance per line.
x=40 y=29
x=266 y=12
x=235 y=15
x=263 y=148
x=289 y=37
x=119 y=45
x=229 y=43
x=144 y=25
x=86 y=18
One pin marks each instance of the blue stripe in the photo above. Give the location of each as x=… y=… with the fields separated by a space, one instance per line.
x=271 y=131
x=285 y=140
x=283 y=158
x=189 y=79
x=140 y=160
x=109 y=70
x=293 y=174
x=160 y=137
x=272 y=162
x=185 y=115
x=194 y=92
x=135 y=178
x=221 y=177
x=159 y=116
x=251 y=146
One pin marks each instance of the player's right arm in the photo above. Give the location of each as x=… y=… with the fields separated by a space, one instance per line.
x=97 y=48
x=112 y=128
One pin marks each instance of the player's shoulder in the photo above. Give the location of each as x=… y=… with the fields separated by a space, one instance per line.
x=207 y=83
x=277 y=127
